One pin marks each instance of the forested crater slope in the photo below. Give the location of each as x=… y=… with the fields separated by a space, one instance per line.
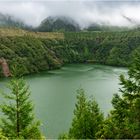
x=37 y=51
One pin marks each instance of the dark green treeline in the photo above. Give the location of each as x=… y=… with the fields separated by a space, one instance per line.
x=38 y=54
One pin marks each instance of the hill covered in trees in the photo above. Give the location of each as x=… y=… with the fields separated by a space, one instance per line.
x=55 y=24
x=98 y=27
x=36 y=51
x=60 y=24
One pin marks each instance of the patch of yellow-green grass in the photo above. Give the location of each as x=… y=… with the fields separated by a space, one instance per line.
x=11 y=32
x=19 y=32
x=49 y=35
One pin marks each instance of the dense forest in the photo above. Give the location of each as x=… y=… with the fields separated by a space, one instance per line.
x=35 y=51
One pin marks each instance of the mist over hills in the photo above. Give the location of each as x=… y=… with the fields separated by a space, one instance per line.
x=58 y=23
x=11 y=21
x=61 y=24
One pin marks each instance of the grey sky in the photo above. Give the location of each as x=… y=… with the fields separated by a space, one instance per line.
x=85 y=12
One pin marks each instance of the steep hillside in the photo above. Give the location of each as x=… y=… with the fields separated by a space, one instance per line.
x=43 y=51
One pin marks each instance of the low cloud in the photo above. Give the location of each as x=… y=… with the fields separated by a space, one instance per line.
x=116 y=13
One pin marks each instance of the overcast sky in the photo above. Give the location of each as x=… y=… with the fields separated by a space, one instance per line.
x=85 y=12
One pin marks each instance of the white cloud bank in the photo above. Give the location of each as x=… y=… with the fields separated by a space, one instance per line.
x=117 y=13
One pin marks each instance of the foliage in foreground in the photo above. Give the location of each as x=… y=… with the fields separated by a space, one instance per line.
x=18 y=118
x=124 y=119
x=87 y=118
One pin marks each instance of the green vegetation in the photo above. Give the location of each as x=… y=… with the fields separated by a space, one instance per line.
x=35 y=54
x=18 y=120
x=15 y=32
x=43 y=51
x=97 y=27
x=87 y=118
x=123 y=122
x=58 y=24
x=2 y=137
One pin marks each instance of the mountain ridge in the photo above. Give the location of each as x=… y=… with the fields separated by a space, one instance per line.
x=62 y=24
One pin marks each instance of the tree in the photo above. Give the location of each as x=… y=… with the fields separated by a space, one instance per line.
x=18 y=120
x=78 y=128
x=87 y=118
x=124 y=120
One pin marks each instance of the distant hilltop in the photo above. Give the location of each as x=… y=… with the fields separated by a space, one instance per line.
x=60 y=24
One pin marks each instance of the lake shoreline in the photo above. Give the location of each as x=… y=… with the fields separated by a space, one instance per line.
x=54 y=92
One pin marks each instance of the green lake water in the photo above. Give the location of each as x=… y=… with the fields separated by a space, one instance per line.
x=54 y=93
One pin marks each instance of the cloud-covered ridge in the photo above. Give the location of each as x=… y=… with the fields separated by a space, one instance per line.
x=116 y=13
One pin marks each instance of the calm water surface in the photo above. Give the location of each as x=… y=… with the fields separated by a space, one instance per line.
x=54 y=92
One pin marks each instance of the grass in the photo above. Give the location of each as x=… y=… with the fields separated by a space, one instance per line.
x=19 y=32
